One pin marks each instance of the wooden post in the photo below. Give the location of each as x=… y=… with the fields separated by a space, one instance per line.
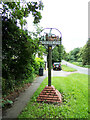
x=49 y=64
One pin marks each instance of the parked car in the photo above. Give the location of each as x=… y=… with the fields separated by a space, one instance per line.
x=57 y=66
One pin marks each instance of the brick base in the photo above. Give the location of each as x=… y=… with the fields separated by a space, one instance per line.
x=49 y=94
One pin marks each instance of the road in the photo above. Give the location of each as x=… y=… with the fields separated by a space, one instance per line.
x=58 y=73
x=79 y=69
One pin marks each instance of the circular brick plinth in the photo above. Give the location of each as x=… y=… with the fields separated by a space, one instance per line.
x=49 y=94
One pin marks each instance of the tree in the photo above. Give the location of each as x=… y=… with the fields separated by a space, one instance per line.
x=73 y=54
x=58 y=53
x=35 y=34
x=19 y=48
x=86 y=53
x=18 y=12
x=80 y=55
x=55 y=55
x=66 y=56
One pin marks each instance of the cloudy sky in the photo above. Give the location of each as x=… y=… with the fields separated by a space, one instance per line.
x=70 y=17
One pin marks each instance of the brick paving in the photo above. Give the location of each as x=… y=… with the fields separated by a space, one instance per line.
x=49 y=95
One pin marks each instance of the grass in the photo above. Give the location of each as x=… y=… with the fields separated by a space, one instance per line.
x=89 y=95
x=68 y=69
x=74 y=90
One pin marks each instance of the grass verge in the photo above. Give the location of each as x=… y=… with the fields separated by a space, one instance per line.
x=74 y=89
x=68 y=69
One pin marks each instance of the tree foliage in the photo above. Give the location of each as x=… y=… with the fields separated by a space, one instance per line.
x=58 y=53
x=86 y=53
x=81 y=55
x=73 y=55
x=18 y=53
x=19 y=48
x=18 y=11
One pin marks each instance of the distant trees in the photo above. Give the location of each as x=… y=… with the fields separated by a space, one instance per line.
x=58 y=53
x=73 y=55
x=55 y=55
x=86 y=53
x=81 y=55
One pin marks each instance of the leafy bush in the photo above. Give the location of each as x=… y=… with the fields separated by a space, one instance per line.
x=6 y=102
x=18 y=52
x=38 y=63
x=18 y=48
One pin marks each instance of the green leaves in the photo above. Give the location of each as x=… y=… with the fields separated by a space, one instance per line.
x=86 y=53
x=19 y=51
x=38 y=63
x=6 y=102
x=73 y=55
x=80 y=56
x=55 y=54
x=17 y=10
x=58 y=53
x=19 y=48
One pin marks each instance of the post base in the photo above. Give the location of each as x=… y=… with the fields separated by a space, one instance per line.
x=50 y=95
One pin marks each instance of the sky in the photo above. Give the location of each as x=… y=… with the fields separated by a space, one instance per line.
x=70 y=17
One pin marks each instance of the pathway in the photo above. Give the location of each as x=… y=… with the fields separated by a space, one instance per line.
x=23 y=98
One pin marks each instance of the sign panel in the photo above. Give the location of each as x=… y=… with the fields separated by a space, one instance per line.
x=50 y=42
x=49 y=38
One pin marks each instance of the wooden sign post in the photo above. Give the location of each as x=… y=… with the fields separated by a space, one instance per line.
x=50 y=40
x=49 y=64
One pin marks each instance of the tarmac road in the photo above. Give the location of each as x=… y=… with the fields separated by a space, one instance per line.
x=60 y=73
x=79 y=69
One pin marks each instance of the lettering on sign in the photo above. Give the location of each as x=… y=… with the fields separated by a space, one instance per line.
x=50 y=42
